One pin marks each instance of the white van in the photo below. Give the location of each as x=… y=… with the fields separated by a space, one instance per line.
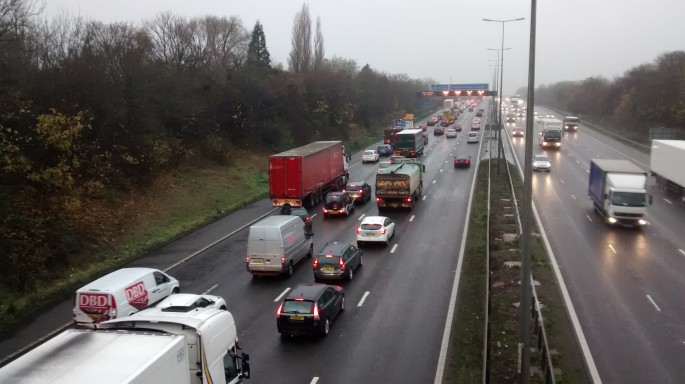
x=472 y=137
x=122 y=293
x=275 y=244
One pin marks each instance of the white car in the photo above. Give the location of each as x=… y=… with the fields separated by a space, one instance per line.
x=472 y=137
x=541 y=163
x=370 y=156
x=192 y=300
x=375 y=229
x=450 y=133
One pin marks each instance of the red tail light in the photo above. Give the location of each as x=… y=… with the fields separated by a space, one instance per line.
x=307 y=219
x=408 y=200
x=278 y=312
x=247 y=259
x=342 y=263
x=359 y=230
x=316 y=312
x=382 y=231
x=315 y=263
x=378 y=199
x=282 y=260
x=360 y=191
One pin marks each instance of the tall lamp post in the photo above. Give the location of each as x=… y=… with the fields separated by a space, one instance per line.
x=501 y=86
x=498 y=116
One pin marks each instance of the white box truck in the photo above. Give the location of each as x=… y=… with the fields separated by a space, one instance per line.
x=448 y=104
x=666 y=163
x=618 y=192
x=156 y=345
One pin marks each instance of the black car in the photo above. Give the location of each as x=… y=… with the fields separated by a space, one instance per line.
x=384 y=150
x=359 y=191
x=302 y=213
x=437 y=131
x=338 y=203
x=462 y=161
x=337 y=261
x=309 y=309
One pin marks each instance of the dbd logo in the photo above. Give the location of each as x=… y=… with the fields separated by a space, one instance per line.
x=137 y=295
x=93 y=300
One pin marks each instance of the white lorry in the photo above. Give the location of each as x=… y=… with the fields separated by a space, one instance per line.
x=173 y=345
x=618 y=192
x=448 y=104
x=666 y=163
x=550 y=132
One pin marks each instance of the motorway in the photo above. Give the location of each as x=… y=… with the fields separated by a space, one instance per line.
x=394 y=320
x=627 y=286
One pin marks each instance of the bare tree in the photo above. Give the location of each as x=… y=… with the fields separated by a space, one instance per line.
x=225 y=44
x=300 y=59
x=172 y=40
x=15 y=17
x=318 y=46
x=122 y=47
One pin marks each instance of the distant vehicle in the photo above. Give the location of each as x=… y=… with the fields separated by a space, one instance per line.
x=410 y=143
x=432 y=121
x=666 y=160
x=423 y=127
x=309 y=309
x=448 y=103
x=461 y=161
x=400 y=185
x=550 y=132
x=303 y=214
x=541 y=163
x=384 y=150
x=275 y=244
x=472 y=137
x=450 y=133
x=359 y=191
x=438 y=131
x=337 y=261
x=370 y=156
x=375 y=229
x=571 y=123
x=338 y=203
x=475 y=124
x=457 y=127
x=383 y=164
x=511 y=119
x=550 y=116
x=517 y=132
x=191 y=300
x=618 y=191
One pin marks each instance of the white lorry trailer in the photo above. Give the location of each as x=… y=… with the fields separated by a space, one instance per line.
x=617 y=190
x=173 y=345
x=666 y=163
x=448 y=104
x=550 y=132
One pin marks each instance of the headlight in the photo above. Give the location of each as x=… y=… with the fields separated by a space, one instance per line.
x=642 y=222
x=611 y=220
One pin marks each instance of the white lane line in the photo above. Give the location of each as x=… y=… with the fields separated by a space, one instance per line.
x=588 y=217
x=314 y=380
x=433 y=181
x=394 y=247
x=424 y=198
x=562 y=181
x=577 y=161
x=587 y=171
x=653 y=303
x=313 y=216
x=574 y=197
x=282 y=294
x=681 y=251
x=361 y=217
x=668 y=201
x=440 y=169
x=612 y=248
x=361 y=302
x=445 y=161
x=210 y=289
x=450 y=155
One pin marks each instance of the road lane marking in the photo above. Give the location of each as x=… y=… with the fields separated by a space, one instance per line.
x=440 y=169
x=314 y=380
x=394 y=247
x=424 y=198
x=413 y=216
x=313 y=216
x=433 y=181
x=612 y=248
x=445 y=161
x=653 y=303
x=588 y=217
x=210 y=289
x=281 y=295
x=681 y=251
x=361 y=217
x=562 y=181
x=574 y=197
x=587 y=171
x=361 y=302
x=668 y=201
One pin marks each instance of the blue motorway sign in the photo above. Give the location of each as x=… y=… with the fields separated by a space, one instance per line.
x=459 y=87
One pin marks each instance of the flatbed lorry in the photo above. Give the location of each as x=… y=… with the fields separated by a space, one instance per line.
x=400 y=185
x=618 y=191
x=666 y=163
x=174 y=345
x=302 y=176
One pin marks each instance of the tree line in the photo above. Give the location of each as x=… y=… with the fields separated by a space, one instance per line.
x=90 y=110
x=646 y=96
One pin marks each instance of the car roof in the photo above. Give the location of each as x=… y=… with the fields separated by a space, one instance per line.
x=373 y=219
x=307 y=291
x=334 y=248
x=180 y=299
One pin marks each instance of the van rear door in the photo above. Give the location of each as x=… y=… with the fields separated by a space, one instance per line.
x=265 y=249
x=97 y=306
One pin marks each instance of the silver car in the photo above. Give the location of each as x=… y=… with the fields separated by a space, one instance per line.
x=542 y=163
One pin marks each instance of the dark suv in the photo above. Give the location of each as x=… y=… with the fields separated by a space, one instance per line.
x=384 y=150
x=309 y=309
x=337 y=261
x=359 y=191
x=338 y=203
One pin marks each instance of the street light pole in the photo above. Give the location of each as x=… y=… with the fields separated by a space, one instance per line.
x=501 y=86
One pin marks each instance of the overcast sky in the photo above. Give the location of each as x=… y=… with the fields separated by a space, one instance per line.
x=443 y=39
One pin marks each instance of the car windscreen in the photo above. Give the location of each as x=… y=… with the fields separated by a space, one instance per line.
x=333 y=198
x=329 y=260
x=297 y=306
x=371 y=227
x=353 y=187
x=370 y=153
x=541 y=158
